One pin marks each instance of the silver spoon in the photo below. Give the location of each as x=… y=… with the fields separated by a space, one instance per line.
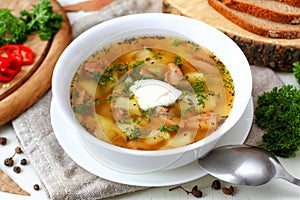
x=244 y=165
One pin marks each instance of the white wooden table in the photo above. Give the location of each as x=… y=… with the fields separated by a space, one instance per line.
x=276 y=190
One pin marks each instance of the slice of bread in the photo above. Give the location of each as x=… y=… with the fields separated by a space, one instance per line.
x=291 y=2
x=267 y=9
x=257 y=25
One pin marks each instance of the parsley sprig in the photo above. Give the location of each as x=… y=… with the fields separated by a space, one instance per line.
x=278 y=112
x=12 y=29
x=41 y=20
x=296 y=70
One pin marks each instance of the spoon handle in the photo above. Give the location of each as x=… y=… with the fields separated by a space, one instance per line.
x=295 y=181
x=290 y=178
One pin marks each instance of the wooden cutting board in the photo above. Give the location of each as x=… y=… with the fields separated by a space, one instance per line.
x=34 y=80
x=278 y=54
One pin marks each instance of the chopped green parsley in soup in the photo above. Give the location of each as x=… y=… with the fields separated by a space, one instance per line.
x=152 y=92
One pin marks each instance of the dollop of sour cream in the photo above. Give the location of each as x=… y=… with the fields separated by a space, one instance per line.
x=151 y=93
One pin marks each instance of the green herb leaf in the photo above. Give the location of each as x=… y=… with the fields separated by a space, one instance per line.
x=165 y=128
x=296 y=71
x=134 y=134
x=85 y=107
x=177 y=42
x=199 y=89
x=119 y=67
x=177 y=61
x=42 y=20
x=12 y=29
x=137 y=63
x=278 y=112
x=147 y=113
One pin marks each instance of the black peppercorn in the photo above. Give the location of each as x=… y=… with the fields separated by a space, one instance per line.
x=9 y=162
x=228 y=191
x=195 y=191
x=18 y=150
x=17 y=169
x=3 y=140
x=36 y=187
x=23 y=161
x=216 y=184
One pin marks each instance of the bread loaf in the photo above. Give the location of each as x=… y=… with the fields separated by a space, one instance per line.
x=257 y=25
x=267 y=9
x=277 y=54
x=291 y=2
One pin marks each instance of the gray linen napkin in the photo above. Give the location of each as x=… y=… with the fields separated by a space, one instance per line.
x=61 y=176
x=116 y=9
x=263 y=80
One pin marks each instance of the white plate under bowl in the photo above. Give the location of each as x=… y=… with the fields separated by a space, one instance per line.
x=68 y=139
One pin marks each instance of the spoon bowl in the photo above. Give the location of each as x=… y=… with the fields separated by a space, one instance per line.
x=244 y=165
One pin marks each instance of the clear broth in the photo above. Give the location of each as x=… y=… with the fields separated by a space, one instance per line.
x=103 y=104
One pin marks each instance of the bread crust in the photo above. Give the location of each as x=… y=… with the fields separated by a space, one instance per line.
x=291 y=2
x=239 y=20
x=262 y=11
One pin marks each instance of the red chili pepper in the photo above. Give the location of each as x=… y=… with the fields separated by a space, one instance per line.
x=12 y=56
x=9 y=67
x=12 y=51
x=18 y=51
x=29 y=55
